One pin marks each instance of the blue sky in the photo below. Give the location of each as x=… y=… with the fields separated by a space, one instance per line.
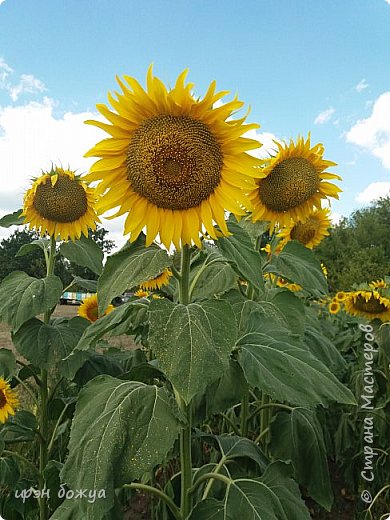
x=302 y=65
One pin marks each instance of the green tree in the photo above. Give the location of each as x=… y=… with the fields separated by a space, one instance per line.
x=358 y=248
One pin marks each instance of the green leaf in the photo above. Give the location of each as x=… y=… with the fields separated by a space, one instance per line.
x=215 y=279
x=7 y=363
x=249 y=314
x=48 y=345
x=122 y=320
x=121 y=430
x=51 y=474
x=192 y=343
x=226 y=391
x=299 y=265
x=324 y=350
x=9 y=472
x=84 y=252
x=287 y=372
x=274 y=496
x=297 y=436
x=128 y=268
x=20 y=427
x=12 y=219
x=90 y=285
x=23 y=297
x=238 y=249
x=292 y=308
x=42 y=243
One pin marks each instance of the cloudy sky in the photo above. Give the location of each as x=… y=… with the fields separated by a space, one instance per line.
x=303 y=66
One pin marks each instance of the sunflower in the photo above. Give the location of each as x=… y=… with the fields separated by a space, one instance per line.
x=341 y=296
x=310 y=232
x=8 y=401
x=293 y=184
x=378 y=284
x=324 y=270
x=173 y=163
x=89 y=309
x=141 y=293
x=158 y=281
x=334 y=307
x=60 y=203
x=282 y=282
x=368 y=304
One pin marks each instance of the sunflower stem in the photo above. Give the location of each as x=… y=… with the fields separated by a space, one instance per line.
x=44 y=396
x=185 y=434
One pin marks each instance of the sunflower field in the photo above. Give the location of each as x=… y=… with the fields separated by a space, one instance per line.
x=250 y=391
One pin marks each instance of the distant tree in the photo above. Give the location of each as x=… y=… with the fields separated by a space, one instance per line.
x=358 y=248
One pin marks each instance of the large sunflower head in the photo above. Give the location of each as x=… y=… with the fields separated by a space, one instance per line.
x=174 y=163
x=89 y=309
x=311 y=231
x=368 y=304
x=157 y=282
x=8 y=401
x=61 y=204
x=294 y=183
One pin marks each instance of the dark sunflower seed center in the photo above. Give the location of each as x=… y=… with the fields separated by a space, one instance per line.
x=291 y=183
x=64 y=202
x=3 y=399
x=372 y=306
x=174 y=161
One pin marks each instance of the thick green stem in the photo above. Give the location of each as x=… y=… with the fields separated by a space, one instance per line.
x=44 y=397
x=244 y=413
x=185 y=434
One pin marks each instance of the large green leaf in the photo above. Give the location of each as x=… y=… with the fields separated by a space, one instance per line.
x=12 y=219
x=7 y=363
x=48 y=345
x=216 y=278
x=250 y=314
x=298 y=264
x=23 y=297
x=288 y=372
x=121 y=430
x=274 y=496
x=324 y=350
x=297 y=436
x=122 y=320
x=20 y=427
x=192 y=342
x=238 y=248
x=291 y=307
x=84 y=252
x=129 y=267
x=42 y=243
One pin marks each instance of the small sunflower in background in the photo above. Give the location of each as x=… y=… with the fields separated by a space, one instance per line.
x=295 y=182
x=141 y=293
x=334 y=307
x=378 y=284
x=61 y=204
x=341 y=296
x=8 y=400
x=368 y=304
x=89 y=309
x=157 y=282
x=173 y=163
x=311 y=231
x=282 y=282
x=324 y=270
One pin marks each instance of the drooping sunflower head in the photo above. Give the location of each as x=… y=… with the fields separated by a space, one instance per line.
x=334 y=307
x=89 y=309
x=368 y=304
x=174 y=163
x=61 y=204
x=157 y=282
x=311 y=231
x=8 y=401
x=294 y=184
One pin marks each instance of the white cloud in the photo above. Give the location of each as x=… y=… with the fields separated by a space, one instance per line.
x=362 y=85
x=373 y=133
x=324 y=117
x=335 y=217
x=266 y=139
x=388 y=1
x=5 y=71
x=374 y=191
x=28 y=83
x=2 y=1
